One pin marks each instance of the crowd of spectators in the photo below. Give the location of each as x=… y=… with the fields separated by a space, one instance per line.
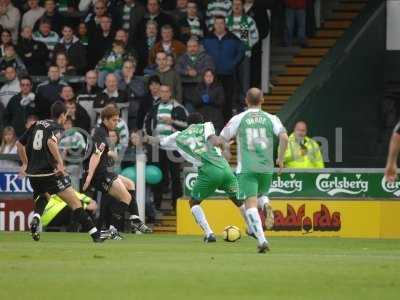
x=156 y=60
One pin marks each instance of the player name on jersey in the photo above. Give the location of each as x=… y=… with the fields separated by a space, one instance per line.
x=331 y=183
x=256 y=120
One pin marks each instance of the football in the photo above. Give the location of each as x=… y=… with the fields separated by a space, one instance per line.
x=231 y=233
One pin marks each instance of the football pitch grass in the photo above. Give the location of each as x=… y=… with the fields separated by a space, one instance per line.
x=69 y=266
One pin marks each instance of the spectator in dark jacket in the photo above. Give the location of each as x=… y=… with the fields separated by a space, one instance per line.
x=48 y=92
x=146 y=44
x=179 y=10
x=100 y=42
x=82 y=34
x=20 y=107
x=93 y=19
x=111 y=94
x=75 y=51
x=192 y=24
x=34 y=54
x=191 y=66
x=168 y=4
x=227 y=52
x=62 y=62
x=154 y=13
x=135 y=90
x=123 y=36
x=87 y=6
x=51 y=14
x=129 y=16
x=151 y=99
x=77 y=113
x=6 y=39
x=11 y=59
x=257 y=9
x=88 y=93
x=208 y=99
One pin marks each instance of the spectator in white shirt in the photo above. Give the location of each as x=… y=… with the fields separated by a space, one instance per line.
x=9 y=18
x=34 y=13
x=11 y=87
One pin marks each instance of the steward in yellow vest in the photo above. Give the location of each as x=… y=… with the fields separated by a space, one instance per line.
x=302 y=152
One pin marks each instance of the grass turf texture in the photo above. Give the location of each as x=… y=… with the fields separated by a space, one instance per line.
x=69 y=266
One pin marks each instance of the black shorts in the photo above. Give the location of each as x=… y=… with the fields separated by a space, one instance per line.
x=103 y=181
x=53 y=184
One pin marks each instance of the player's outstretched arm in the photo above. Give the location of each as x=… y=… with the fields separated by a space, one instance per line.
x=283 y=143
x=391 y=165
x=23 y=157
x=55 y=151
x=169 y=142
x=151 y=140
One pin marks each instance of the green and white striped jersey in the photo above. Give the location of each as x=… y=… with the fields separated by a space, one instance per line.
x=192 y=143
x=215 y=8
x=164 y=110
x=254 y=130
x=244 y=27
x=50 y=41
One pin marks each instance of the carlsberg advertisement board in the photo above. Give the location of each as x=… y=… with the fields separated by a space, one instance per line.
x=329 y=183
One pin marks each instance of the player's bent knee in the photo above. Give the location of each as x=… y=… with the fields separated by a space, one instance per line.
x=129 y=184
x=69 y=196
x=237 y=202
x=120 y=192
x=251 y=202
x=193 y=202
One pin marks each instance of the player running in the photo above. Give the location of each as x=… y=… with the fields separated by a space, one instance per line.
x=254 y=130
x=43 y=164
x=197 y=144
x=98 y=175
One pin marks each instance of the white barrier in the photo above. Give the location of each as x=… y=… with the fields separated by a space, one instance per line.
x=265 y=60
x=141 y=182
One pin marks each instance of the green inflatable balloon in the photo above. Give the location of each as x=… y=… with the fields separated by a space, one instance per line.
x=153 y=175
x=130 y=173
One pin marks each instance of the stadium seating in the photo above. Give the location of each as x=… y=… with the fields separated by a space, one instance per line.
x=289 y=75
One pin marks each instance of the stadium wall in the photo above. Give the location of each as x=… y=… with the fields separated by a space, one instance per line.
x=351 y=203
x=345 y=92
x=315 y=218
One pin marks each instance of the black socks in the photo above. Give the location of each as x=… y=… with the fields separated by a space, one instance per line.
x=117 y=213
x=80 y=216
x=40 y=202
x=133 y=208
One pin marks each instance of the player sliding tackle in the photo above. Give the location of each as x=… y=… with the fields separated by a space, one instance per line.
x=254 y=130
x=197 y=144
x=57 y=213
x=43 y=164
x=97 y=174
